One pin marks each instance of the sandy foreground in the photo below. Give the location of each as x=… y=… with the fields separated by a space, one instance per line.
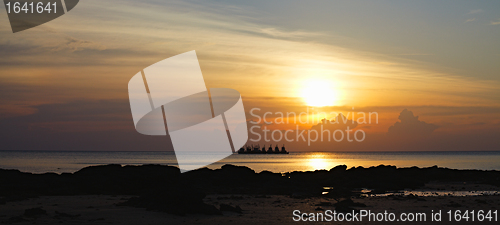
x=257 y=209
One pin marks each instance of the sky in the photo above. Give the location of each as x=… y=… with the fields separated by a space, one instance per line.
x=428 y=69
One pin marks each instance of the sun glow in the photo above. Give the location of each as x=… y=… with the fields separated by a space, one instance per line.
x=319 y=93
x=318 y=162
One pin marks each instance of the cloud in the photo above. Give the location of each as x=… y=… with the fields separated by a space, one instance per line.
x=414 y=54
x=475 y=11
x=77 y=125
x=73 y=44
x=410 y=126
x=277 y=33
x=339 y=123
x=470 y=20
x=495 y=22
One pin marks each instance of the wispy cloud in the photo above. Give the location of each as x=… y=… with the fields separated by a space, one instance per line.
x=475 y=11
x=74 y=44
x=470 y=20
x=275 y=32
x=133 y=38
x=495 y=22
x=414 y=54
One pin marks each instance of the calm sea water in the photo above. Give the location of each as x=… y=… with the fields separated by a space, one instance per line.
x=60 y=161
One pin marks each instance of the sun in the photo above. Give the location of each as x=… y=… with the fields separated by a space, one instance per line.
x=319 y=93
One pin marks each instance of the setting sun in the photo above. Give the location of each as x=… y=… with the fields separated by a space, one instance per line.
x=319 y=93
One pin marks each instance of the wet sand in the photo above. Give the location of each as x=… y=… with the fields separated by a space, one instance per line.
x=256 y=209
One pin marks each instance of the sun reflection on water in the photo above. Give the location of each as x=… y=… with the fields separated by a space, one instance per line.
x=319 y=162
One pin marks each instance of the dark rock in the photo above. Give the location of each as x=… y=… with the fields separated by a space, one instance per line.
x=16 y=219
x=164 y=188
x=65 y=215
x=349 y=203
x=16 y=198
x=34 y=212
x=339 y=168
x=173 y=200
x=454 y=205
x=324 y=204
x=339 y=192
x=262 y=196
x=229 y=208
x=481 y=201
x=232 y=197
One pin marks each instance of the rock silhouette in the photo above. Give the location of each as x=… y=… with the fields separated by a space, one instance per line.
x=164 y=188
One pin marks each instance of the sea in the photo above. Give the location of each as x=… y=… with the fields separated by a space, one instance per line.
x=72 y=161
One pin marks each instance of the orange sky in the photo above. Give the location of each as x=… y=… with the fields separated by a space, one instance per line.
x=90 y=54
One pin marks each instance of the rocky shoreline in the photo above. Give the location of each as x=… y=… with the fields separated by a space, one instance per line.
x=165 y=189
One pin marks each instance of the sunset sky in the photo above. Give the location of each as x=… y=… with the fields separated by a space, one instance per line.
x=63 y=84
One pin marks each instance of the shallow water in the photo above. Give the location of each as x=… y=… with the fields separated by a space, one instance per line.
x=428 y=193
x=60 y=161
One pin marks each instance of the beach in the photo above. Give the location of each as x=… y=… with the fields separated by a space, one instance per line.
x=103 y=209
x=153 y=194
